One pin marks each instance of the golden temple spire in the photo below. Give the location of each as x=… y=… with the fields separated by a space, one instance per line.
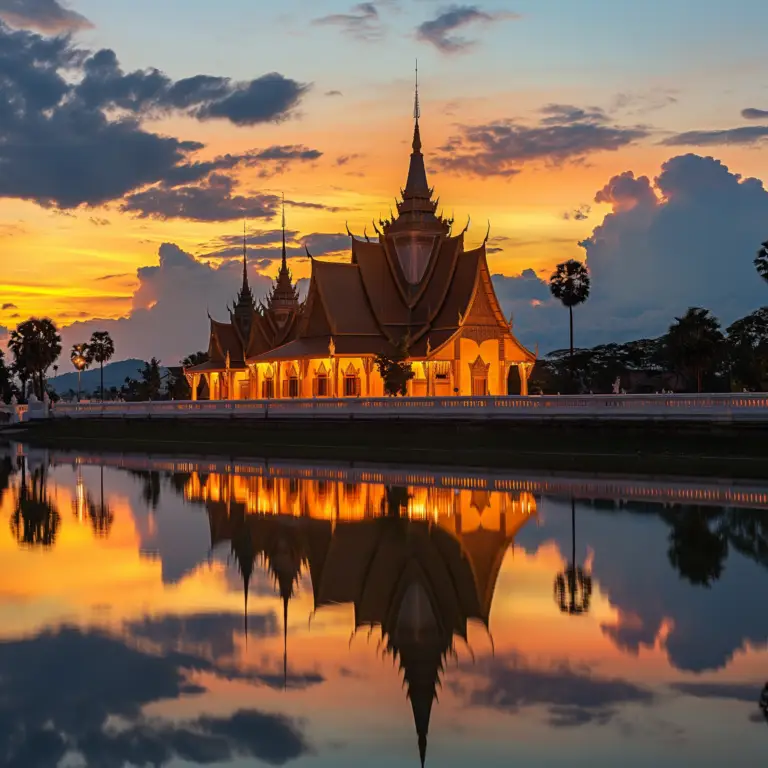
x=285 y=263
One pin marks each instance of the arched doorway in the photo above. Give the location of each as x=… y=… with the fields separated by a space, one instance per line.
x=291 y=382
x=268 y=384
x=352 y=381
x=321 y=383
x=514 y=383
x=479 y=377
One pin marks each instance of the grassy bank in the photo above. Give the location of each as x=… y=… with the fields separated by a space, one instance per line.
x=737 y=451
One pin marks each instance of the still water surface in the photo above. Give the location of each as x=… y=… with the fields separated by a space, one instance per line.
x=188 y=613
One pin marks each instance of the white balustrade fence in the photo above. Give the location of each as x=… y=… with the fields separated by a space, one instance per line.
x=708 y=407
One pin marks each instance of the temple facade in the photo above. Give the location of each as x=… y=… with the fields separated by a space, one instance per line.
x=415 y=287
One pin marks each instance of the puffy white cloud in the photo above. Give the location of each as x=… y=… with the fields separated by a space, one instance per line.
x=168 y=316
x=686 y=238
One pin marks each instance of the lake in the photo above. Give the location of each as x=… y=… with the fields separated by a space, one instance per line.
x=173 y=611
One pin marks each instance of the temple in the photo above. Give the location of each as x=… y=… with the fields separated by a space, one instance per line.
x=414 y=287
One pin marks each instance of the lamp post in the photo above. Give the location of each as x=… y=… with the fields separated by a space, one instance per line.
x=80 y=362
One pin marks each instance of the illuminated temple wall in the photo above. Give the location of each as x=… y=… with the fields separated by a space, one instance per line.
x=467 y=366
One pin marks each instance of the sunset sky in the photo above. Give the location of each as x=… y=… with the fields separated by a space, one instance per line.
x=135 y=137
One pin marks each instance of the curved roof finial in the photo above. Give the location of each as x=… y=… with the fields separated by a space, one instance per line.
x=469 y=221
x=365 y=234
x=488 y=233
x=306 y=248
x=346 y=224
x=378 y=231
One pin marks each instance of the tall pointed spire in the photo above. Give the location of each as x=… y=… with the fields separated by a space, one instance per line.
x=284 y=297
x=417 y=186
x=285 y=262
x=243 y=307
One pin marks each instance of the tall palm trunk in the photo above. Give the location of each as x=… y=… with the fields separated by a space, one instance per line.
x=101 y=367
x=570 y=312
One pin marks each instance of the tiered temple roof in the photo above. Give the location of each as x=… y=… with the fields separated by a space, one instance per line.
x=416 y=281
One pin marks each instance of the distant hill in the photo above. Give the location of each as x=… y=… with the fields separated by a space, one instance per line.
x=115 y=375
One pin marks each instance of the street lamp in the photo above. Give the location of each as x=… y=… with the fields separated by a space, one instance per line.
x=80 y=362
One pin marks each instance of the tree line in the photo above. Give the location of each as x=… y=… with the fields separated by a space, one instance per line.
x=34 y=351
x=695 y=354
x=35 y=348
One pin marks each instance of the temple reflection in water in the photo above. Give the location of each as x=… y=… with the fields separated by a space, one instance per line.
x=417 y=563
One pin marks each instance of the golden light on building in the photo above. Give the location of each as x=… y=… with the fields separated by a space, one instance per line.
x=412 y=290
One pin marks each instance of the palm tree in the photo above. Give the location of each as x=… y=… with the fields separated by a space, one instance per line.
x=573 y=587
x=101 y=348
x=694 y=343
x=570 y=284
x=79 y=357
x=761 y=261
x=35 y=345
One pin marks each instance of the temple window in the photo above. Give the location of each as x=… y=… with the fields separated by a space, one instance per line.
x=321 y=382
x=291 y=383
x=351 y=382
x=479 y=374
x=268 y=389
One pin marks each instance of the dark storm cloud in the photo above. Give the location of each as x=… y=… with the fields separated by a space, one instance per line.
x=754 y=114
x=320 y=243
x=212 y=200
x=571 y=697
x=745 y=134
x=440 y=30
x=563 y=134
x=268 y=98
x=362 y=22
x=9 y=306
x=60 y=689
x=70 y=122
x=46 y=15
x=267 y=246
x=315 y=206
